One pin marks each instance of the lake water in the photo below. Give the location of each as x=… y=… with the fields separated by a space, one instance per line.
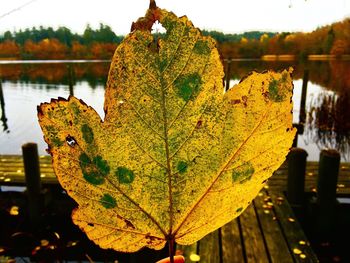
x=24 y=85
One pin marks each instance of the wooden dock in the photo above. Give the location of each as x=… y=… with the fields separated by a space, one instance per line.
x=267 y=231
x=12 y=170
x=279 y=179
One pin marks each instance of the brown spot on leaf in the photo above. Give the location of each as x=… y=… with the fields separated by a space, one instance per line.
x=245 y=99
x=129 y=224
x=237 y=101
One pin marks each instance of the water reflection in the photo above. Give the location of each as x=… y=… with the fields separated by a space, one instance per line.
x=2 y=106
x=56 y=73
x=71 y=80
x=302 y=112
x=328 y=123
x=334 y=74
x=321 y=98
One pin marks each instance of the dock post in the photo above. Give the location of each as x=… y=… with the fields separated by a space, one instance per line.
x=296 y=176
x=33 y=183
x=228 y=77
x=302 y=113
x=300 y=130
x=2 y=106
x=326 y=189
x=71 y=80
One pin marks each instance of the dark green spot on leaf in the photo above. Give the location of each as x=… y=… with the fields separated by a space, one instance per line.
x=182 y=167
x=275 y=92
x=239 y=209
x=94 y=178
x=124 y=175
x=201 y=47
x=243 y=173
x=94 y=171
x=188 y=86
x=108 y=201
x=84 y=160
x=102 y=165
x=88 y=134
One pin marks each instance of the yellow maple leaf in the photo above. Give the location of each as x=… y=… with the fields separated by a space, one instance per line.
x=175 y=157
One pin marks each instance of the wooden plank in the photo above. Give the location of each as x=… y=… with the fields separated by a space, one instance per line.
x=16 y=158
x=232 y=250
x=297 y=242
x=209 y=250
x=252 y=236
x=20 y=170
x=343 y=176
x=12 y=170
x=275 y=241
x=343 y=187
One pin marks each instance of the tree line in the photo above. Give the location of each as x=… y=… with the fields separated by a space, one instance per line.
x=62 y=43
x=332 y=39
x=100 y=43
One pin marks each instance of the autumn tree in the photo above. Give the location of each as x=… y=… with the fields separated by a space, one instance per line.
x=9 y=49
x=340 y=47
x=45 y=49
x=78 y=50
x=102 y=50
x=98 y=43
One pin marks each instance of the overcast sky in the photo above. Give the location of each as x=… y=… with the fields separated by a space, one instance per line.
x=229 y=16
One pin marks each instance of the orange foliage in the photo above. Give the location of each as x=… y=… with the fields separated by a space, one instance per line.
x=340 y=47
x=78 y=50
x=102 y=50
x=333 y=39
x=340 y=73
x=54 y=72
x=9 y=49
x=45 y=49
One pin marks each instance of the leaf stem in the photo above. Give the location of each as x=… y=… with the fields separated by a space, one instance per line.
x=171 y=249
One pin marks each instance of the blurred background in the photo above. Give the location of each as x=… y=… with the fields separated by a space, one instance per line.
x=51 y=49
x=56 y=48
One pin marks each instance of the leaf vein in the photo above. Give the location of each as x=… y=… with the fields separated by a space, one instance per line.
x=145 y=69
x=116 y=228
x=196 y=204
x=145 y=122
x=177 y=48
x=186 y=103
x=183 y=68
x=253 y=158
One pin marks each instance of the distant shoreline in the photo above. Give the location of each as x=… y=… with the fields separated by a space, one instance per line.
x=271 y=57
x=51 y=61
x=314 y=57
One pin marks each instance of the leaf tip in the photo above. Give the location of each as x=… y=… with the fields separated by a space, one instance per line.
x=152 y=4
x=39 y=110
x=145 y=23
